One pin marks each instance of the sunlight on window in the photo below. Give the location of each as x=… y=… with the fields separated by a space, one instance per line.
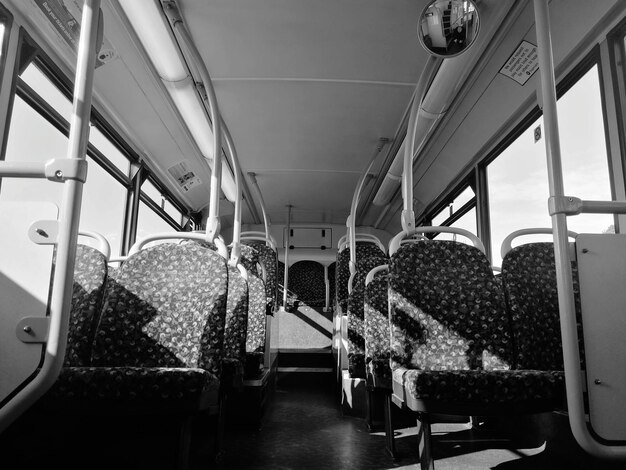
x=42 y=85
x=518 y=177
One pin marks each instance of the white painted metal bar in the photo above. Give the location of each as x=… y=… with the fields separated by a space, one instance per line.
x=60 y=300
x=266 y=220
x=213 y=221
x=569 y=333
x=235 y=253
x=355 y=203
x=286 y=274
x=408 y=214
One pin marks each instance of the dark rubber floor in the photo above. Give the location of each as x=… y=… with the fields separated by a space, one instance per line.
x=303 y=428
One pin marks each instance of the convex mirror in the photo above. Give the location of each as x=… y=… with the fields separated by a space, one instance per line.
x=448 y=27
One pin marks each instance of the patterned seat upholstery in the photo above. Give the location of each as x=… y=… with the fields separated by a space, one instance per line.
x=368 y=256
x=269 y=259
x=235 y=329
x=332 y=283
x=529 y=282
x=90 y=275
x=342 y=275
x=256 y=334
x=307 y=283
x=452 y=346
x=376 y=328
x=161 y=334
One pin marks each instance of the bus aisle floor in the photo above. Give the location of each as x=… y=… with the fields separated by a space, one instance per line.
x=304 y=429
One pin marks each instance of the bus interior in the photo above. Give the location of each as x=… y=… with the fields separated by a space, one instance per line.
x=341 y=234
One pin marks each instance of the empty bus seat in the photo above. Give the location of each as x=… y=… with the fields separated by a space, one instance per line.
x=90 y=277
x=158 y=345
x=257 y=311
x=342 y=275
x=368 y=256
x=235 y=329
x=376 y=332
x=269 y=259
x=529 y=283
x=453 y=351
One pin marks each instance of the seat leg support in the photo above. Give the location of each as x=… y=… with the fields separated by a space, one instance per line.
x=390 y=438
x=425 y=442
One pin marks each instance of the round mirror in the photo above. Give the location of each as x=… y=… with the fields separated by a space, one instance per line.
x=448 y=27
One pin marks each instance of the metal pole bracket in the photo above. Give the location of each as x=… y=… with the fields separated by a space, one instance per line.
x=33 y=329
x=63 y=169
x=567 y=205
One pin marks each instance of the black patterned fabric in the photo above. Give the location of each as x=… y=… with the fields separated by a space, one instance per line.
x=90 y=274
x=269 y=259
x=342 y=276
x=307 y=283
x=377 y=334
x=529 y=281
x=332 y=283
x=249 y=258
x=167 y=309
x=171 y=387
x=481 y=387
x=368 y=256
x=451 y=334
x=236 y=325
x=256 y=315
x=446 y=310
x=280 y=276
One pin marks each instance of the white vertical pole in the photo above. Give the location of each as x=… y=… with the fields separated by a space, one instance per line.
x=69 y=216
x=287 y=243
x=567 y=309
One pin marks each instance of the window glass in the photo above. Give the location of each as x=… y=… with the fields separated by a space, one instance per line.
x=467 y=222
x=109 y=150
x=173 y=212
x=33 y=138
x=149 y=222
x=42 y=85
x=466 y=195
x=152 y=192
x=518 y=178
x=104 y=215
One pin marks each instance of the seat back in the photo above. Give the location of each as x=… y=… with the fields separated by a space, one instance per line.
x=307 y=283
x=529 y=283
x=446 y=310
x=368 y=256
x=167 y=308
x=376 y=331
x=236 y=322
x=90 y=277
x=342 y=276
x=257 y=312
x=269 y=259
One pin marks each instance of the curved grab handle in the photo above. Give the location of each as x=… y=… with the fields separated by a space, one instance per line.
x=506 y=243
x=374 y=271
x=361 y=237
x=395 y=242
x=103 y=243
x=351 y=280
x=201 y=237
x=261 y=236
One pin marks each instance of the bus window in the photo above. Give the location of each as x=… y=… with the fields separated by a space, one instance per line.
x=460 y=213
x=161 y=200
x=109 y=150
x=518 y=179
x=149 y=222
x=44 y=87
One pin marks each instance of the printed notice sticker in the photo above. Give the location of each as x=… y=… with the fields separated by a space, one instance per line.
x=64 y=16
x=522 y=64
x=185 y=178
